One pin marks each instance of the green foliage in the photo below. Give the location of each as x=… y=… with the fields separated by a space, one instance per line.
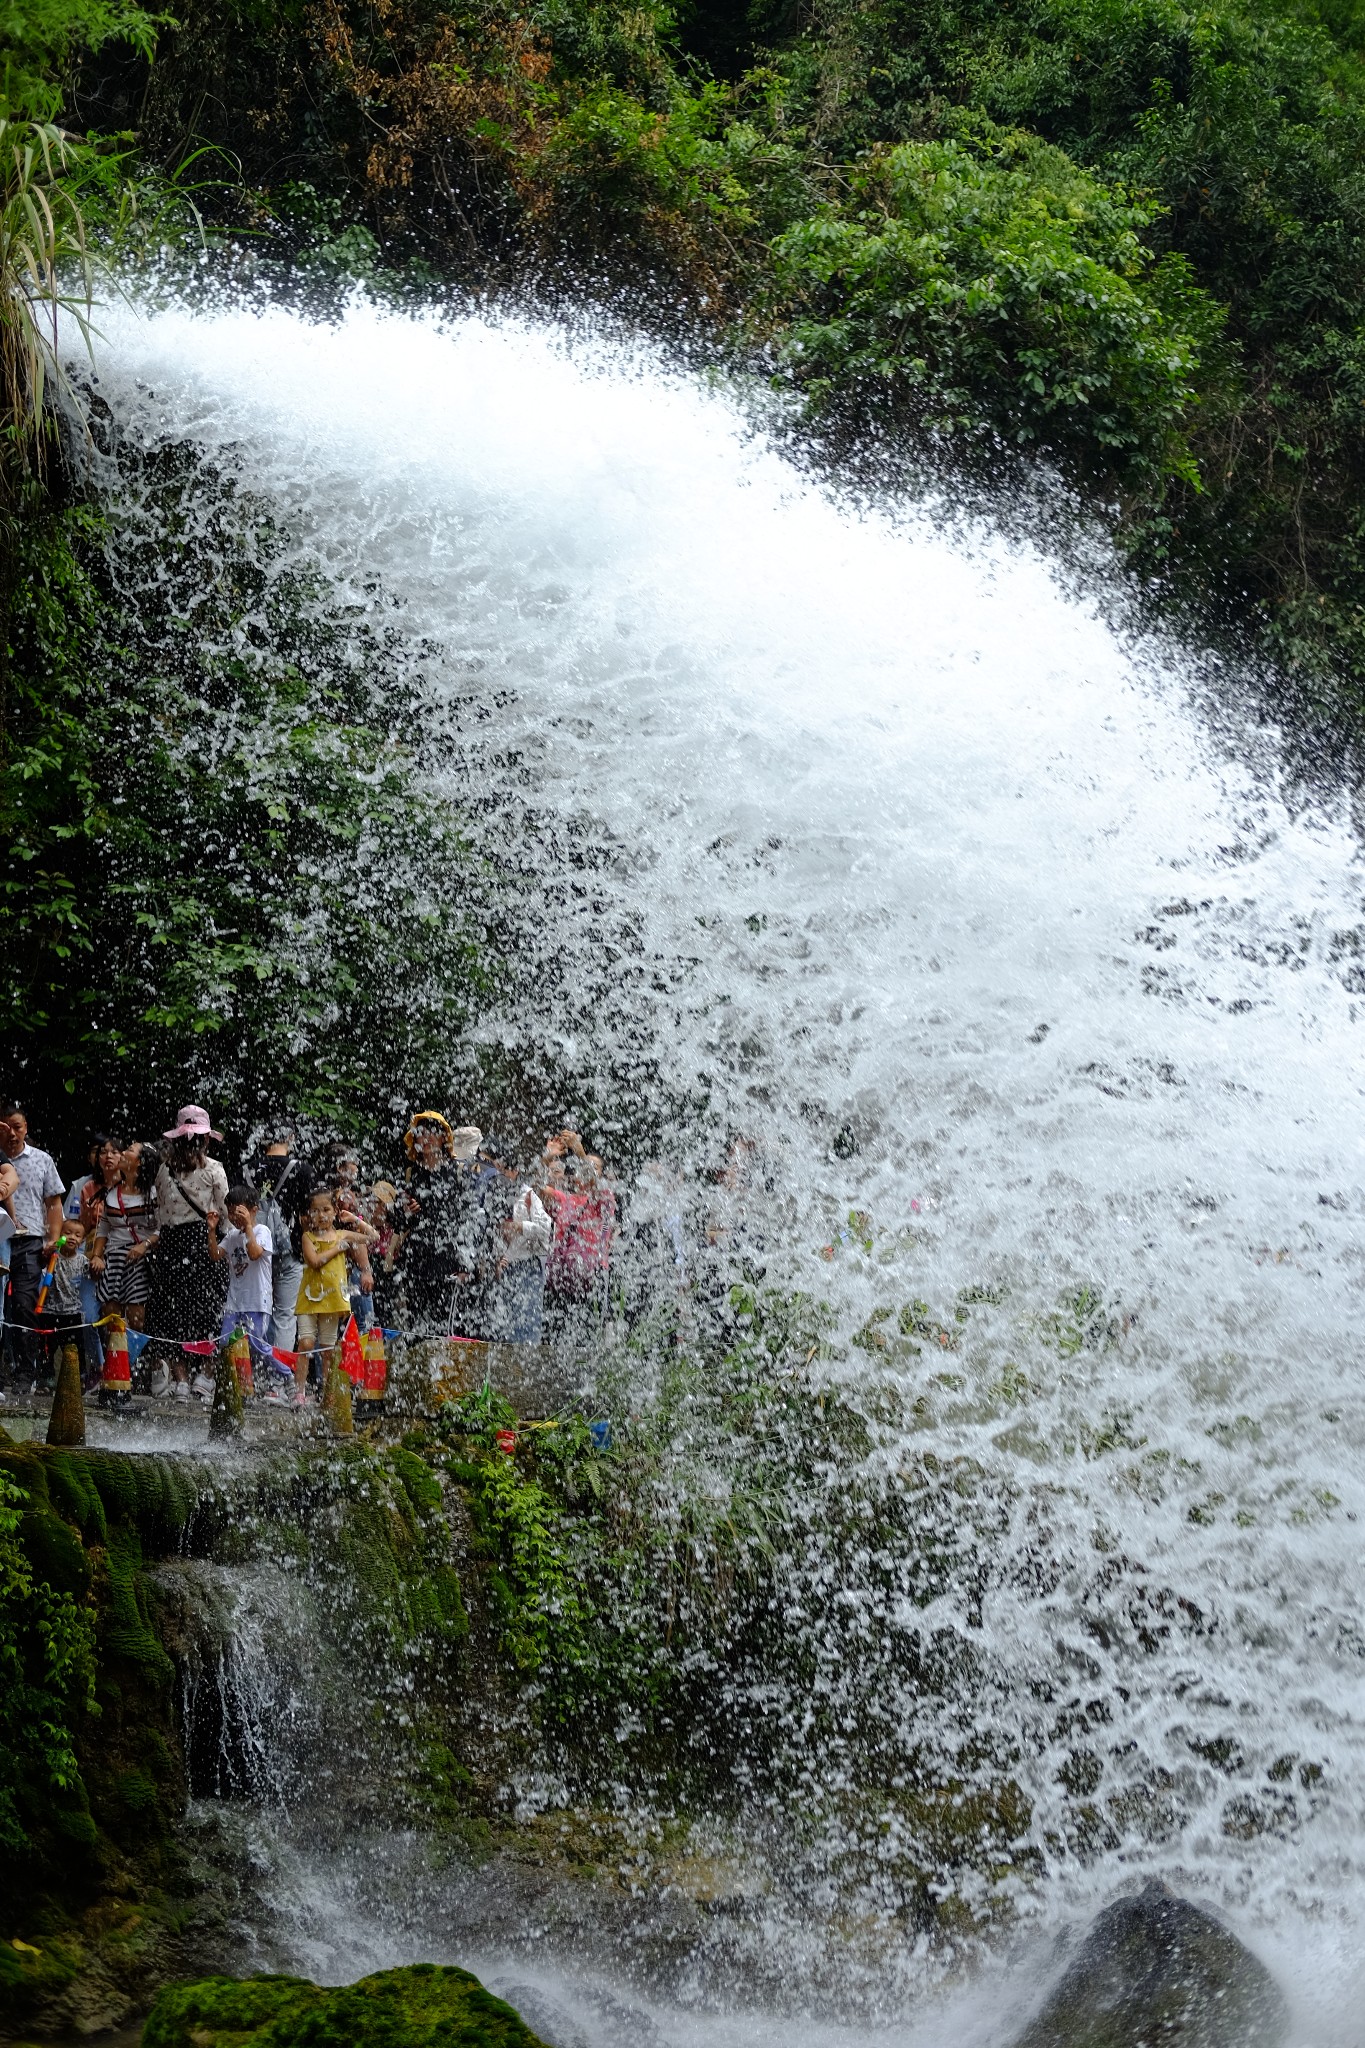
x=1240 y=127
x=413 y=2008
x=983 y=281
x=38 y=38
x=214 y=703
x=536 y=1602
x=1130 y=236
x=47 y=1673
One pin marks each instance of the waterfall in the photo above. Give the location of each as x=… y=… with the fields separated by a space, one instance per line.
x=863 y=837
x=252 y=1692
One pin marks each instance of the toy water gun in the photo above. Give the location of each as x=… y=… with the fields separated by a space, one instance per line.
x=45 y=1284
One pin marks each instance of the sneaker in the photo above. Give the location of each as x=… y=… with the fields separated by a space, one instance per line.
x=277 y=1397
x=301 y=1401
x=161 y=1382
x=202 y=1384
x=181 y=1390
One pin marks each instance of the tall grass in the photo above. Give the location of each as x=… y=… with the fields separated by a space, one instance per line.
x=46 y=276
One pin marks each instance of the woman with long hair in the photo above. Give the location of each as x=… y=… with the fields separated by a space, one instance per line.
x=126 y=1235
x=84 y=1204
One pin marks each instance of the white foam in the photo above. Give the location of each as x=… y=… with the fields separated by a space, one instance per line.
x=900 y=798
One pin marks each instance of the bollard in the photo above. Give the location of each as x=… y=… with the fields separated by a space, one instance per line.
x=336 y=1396
x=239 y=1351
x=116 y=1383
x=375 y=1384
x=225 y=1415
x=66 y=1423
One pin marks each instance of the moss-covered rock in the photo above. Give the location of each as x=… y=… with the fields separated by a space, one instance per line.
x=92 y=1787
x=1155 y=1968
x=421 y=2007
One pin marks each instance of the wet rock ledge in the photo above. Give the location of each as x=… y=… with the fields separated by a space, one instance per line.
x=1155 y=1970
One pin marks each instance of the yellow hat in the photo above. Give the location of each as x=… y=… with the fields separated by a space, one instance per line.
x=429 y=1116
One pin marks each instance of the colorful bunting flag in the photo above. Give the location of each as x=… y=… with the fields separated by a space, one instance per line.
x=352 y=1358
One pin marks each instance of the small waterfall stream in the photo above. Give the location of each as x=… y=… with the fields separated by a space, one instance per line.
x=911 y=874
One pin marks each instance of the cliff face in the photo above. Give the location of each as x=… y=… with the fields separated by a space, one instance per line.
x=93 y=1897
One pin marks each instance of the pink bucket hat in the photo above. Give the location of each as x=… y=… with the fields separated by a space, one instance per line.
x=193 y=1123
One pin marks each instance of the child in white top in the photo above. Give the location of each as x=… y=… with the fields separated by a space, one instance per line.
x=250 y=1254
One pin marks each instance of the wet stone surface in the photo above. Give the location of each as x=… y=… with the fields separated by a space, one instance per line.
x=1155 y=1969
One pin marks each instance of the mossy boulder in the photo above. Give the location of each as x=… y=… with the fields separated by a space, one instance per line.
x=1152 y=1969
x=421 y=2007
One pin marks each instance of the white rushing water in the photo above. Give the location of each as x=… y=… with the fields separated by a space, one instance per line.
x=916 y=850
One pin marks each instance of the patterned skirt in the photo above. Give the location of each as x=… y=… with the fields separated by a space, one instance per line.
x=189 y=1287
x=124 y=1283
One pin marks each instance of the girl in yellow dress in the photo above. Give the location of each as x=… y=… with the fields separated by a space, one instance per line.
x=324 y=1302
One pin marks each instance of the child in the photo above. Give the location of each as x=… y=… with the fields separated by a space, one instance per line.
x=64 y=1311
x=323 y=1302
x=249 y=1252
x=351 y=1217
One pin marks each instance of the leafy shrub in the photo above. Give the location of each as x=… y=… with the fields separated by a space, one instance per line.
x=209 y=789
x=47 y=1675
x=986 y=281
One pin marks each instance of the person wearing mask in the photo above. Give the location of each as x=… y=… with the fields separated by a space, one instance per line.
x=442 y=1223
x=36 y=1207
x=188 y=1286
x=285 y=1185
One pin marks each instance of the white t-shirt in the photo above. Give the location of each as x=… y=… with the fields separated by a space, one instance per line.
x=249 y=1285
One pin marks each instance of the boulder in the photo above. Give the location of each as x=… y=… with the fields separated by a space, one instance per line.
x=1156 y=1972
x=421 y=2007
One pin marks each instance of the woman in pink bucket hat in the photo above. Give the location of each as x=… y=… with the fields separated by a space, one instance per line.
x=193 y=1122
x=189 y=1284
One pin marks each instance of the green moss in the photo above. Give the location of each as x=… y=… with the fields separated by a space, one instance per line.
x=126 y=1632
x=91 y=1488
x=420 y=1483
x=32 y=1972
x=56 y=1553
x=422 y=2007
x=136 y=1790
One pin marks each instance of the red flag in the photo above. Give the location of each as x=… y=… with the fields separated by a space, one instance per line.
x=352 y=1358
x=289 y=1358
x=506 y=1441
x=203 y=1348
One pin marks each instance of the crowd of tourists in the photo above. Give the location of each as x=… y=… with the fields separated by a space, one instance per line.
x=471 y=1239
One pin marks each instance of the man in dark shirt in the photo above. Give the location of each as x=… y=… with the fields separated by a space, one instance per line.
x=443 y=1236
